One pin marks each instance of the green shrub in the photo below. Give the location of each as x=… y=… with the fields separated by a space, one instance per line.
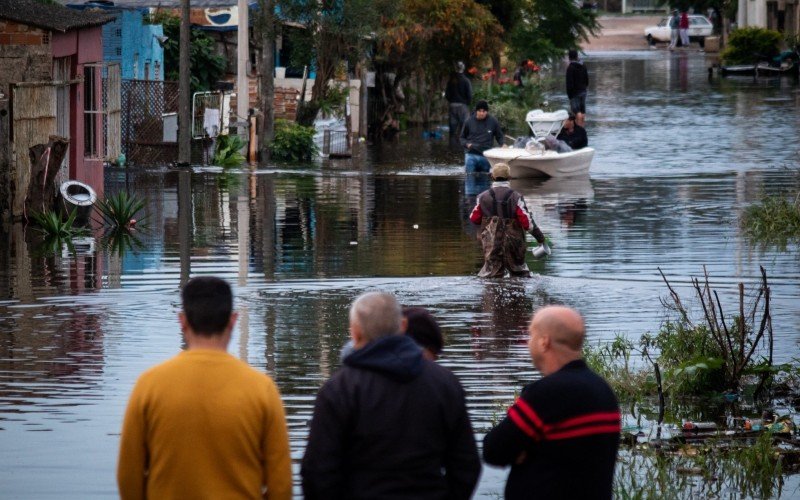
x=747 y=45
x=227 y=152
x=120 y=210
x=509 y=104
x=292 y=142
x=51 y=224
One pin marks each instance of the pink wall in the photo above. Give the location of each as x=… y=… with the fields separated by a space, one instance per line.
x=86 y=46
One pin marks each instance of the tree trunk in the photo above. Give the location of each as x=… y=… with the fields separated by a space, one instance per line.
x=496 y=67
x=184 y=89
x=46 y=161
x=267 y=70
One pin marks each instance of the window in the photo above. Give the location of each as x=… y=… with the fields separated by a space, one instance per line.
x=90 y=147
x=119 y=51
x=118 y=32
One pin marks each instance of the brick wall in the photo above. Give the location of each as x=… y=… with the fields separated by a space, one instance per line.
x=286 y=103
x=13 y=33
x=20 y=63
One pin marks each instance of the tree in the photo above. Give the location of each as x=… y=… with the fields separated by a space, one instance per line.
x=547 y=28
x=267 y=27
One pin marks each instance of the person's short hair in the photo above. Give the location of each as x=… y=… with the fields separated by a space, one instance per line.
x=573 y=55
x=570 y=115
x=460 y=67
x=482 y=105
x=501 y=171
x=378 y=314
x=207 y=304
x=424 y=329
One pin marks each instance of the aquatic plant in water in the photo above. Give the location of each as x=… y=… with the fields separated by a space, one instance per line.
x=120 y=210
x=227 y=152
x=51 y=223
x=774 y=220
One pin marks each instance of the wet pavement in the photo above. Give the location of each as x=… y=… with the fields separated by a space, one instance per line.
x=678 y=158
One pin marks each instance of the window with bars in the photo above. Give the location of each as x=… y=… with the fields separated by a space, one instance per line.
x=91 y=147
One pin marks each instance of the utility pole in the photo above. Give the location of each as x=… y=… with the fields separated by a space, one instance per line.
x=184 y=90
x=267 y=70
x=242 y=60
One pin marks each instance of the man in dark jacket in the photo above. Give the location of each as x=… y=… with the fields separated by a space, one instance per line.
x=479 y=133
x=561 y=436
x=459 y=94
x=389 y=423
x=504 y=219
x=577 y=83
x=573 y=134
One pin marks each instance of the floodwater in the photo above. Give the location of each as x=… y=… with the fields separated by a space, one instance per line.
x=678 y=158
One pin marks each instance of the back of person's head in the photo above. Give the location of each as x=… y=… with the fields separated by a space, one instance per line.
x=573 y=55
x=482 y=105
x=424 y=329
x=378 y=314
x=207 y=304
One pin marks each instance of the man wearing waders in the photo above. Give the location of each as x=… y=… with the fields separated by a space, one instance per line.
x=504 y=218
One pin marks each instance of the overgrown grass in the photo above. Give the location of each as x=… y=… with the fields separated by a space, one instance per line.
x=120 y=210
x=774 y=220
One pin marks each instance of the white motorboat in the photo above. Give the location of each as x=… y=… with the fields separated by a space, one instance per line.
x=536 y=161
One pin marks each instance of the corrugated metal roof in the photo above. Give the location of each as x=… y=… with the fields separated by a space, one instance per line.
x=50 y=16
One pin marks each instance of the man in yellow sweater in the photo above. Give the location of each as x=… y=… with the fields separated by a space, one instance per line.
x=205 y=424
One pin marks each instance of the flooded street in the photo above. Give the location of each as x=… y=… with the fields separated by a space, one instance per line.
x=678 y=158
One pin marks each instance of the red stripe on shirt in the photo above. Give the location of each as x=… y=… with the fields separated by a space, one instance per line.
x=585 y=431
x=477 y=215
x=584 y=419
x=523 y=219
x=528 y=411
x=521 y=423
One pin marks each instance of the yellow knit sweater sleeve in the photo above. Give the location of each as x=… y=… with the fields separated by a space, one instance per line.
x=278 y=462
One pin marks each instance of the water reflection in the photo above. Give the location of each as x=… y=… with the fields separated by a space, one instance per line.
x=677 y=160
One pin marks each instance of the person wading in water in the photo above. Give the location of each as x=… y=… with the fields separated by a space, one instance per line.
x=504 y=218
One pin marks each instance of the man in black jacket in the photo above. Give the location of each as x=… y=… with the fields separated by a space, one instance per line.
x=577 y=83
x=459 y=94
x=479 y=133
x=389 y=423
x=561 y=436
x=573 y=134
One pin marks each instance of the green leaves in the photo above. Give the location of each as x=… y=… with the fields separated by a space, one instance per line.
x=120 y=210
x=227 y=153
x=749 y=45
x=50 y=223
x=774 y=220
x=292 y=142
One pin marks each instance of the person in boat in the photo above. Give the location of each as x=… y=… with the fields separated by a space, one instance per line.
x=504 y=218
x=389 y=423
x=459 y=94
x=561 y=436
x=479 y=133
x=572 y=134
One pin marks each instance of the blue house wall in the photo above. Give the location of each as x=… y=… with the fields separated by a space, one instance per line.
x=133 y=44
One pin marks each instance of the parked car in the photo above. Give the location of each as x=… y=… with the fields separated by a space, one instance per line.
x=699 y=28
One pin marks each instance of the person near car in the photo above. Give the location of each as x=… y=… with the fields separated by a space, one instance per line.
x=459 y=94
x=577 y=84
x=674 y=26
x=573 y=134
x=389 y=423
x=480 y=131
x=561 y=436
x=683 y=28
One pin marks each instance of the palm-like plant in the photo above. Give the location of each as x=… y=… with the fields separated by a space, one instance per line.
x=120 y=210
x=50 y=223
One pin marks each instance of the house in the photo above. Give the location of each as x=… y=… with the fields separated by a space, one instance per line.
x=130 y=41
x=780 y=15
x=50 y=69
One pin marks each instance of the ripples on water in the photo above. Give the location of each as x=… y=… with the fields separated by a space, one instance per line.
x=678 y=159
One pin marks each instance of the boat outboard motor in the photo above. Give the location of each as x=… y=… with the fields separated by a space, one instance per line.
x=76 y=195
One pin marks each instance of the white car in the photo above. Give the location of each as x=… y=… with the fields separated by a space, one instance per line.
x=699 y=28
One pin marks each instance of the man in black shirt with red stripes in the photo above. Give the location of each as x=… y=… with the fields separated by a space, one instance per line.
x=561 y=436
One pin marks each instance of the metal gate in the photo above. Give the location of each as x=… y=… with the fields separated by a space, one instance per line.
x=149 y=121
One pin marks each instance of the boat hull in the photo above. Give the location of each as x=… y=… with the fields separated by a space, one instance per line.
x=547 y=164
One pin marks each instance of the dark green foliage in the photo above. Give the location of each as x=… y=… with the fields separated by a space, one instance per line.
x=749 y=45
x=774 y=220
x=50 y=223
x=509 y=104
x=292 y=142
x=227 y=152
x=120 y=210
x=206 y=66
x=548 y=28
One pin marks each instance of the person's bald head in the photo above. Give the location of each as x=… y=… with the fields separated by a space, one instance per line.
x=556 y=337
